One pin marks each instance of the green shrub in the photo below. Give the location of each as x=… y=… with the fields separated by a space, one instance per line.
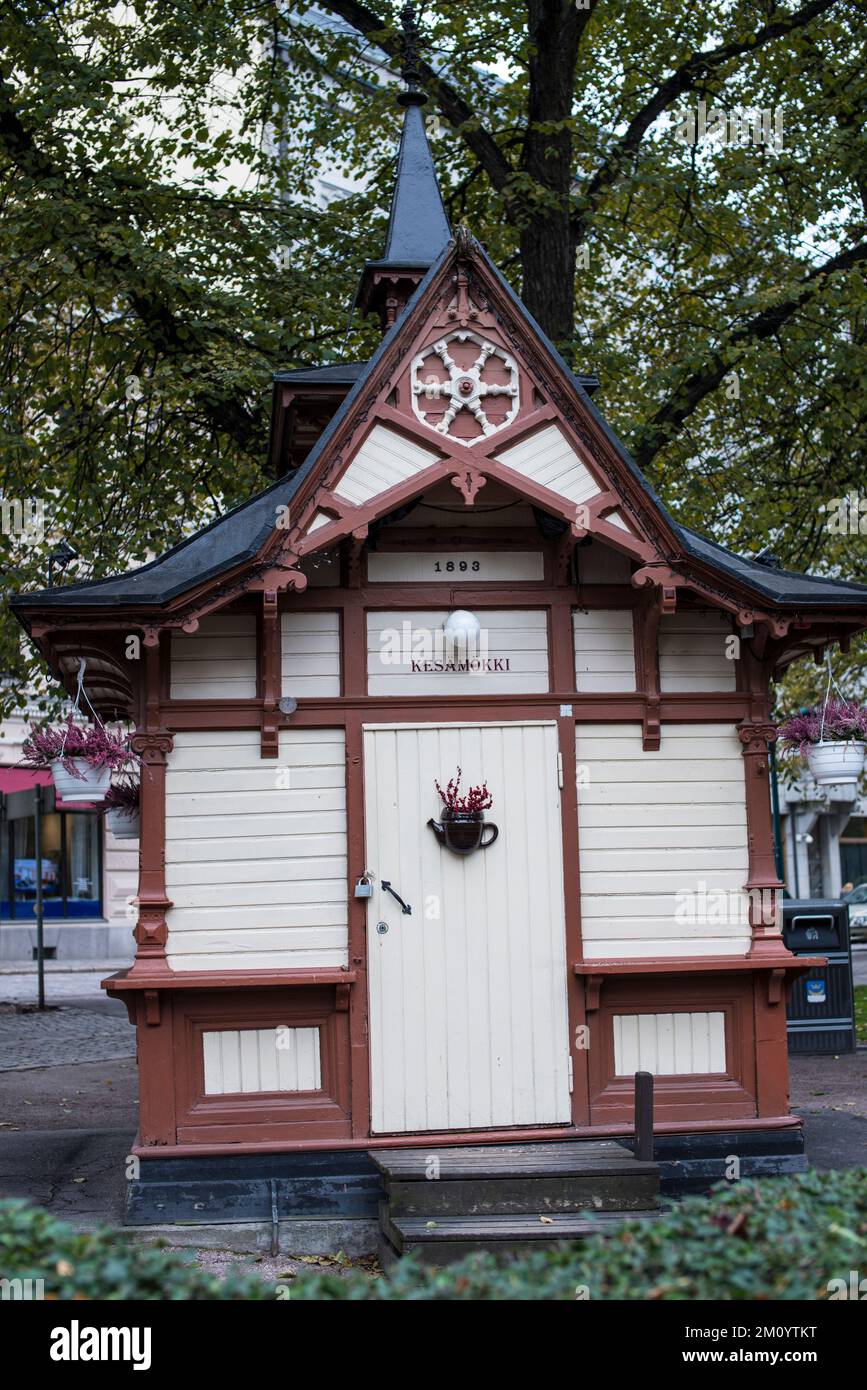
x=102 y=1264
x=777 y=1238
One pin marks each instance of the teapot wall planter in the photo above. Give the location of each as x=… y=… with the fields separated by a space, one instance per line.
x=463 y=831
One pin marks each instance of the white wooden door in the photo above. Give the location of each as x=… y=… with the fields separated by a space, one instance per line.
x=468 y=1020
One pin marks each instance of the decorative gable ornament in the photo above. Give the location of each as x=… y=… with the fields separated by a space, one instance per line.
x=465 y=387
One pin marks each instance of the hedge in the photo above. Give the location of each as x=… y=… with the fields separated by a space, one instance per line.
x=103 y=1264
x=776 y=1238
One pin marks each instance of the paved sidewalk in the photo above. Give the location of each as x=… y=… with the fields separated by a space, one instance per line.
x=62 y=1036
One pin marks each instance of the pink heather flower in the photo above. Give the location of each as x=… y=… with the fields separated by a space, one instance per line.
x=47 y=744
x=845 y=721
x=476 y=799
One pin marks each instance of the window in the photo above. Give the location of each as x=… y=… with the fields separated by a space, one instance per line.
x=71 y=867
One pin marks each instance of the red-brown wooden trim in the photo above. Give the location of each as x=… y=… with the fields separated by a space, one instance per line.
x=450 y=1138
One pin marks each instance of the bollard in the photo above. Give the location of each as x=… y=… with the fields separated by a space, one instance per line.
x=644 y=1116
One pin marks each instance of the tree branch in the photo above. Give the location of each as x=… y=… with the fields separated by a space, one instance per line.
x=692 y=391
x=453 y=106
x=697 y=68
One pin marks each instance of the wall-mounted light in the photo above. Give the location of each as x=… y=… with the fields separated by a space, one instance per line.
x=461 y=628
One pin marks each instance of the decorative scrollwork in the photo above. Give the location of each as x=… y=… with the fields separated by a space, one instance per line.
x=464 y=388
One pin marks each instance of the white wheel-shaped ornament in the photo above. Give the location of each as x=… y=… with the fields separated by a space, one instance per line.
x=438 y=399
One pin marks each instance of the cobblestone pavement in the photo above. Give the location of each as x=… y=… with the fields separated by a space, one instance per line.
x=61 y=984
x=62 y=1036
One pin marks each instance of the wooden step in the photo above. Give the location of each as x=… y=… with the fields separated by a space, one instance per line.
x=509 y=1160
x=440 y=1241
x=516 y=1179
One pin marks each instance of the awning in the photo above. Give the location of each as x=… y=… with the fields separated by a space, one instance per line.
x=22 y=779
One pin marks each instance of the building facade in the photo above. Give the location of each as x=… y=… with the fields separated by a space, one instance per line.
x=318 y=967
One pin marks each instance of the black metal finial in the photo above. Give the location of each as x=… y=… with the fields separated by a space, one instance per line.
x=409 y=71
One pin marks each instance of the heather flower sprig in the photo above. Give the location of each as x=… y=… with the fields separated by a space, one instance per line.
x=845 y=721
x=101 y=747
x=123 y=796
x=475 y=799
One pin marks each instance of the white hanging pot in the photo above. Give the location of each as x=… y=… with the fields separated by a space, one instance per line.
x=123 y=826
x=91 y=784
x=833 y=762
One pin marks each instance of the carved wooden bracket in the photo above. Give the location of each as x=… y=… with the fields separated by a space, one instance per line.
x=153 y=746
x=754 y=740
x=665 y=580
x=778 y=627
x=269 y=676
x=341 y=998
x=152 y=1007
x=651 y=728
x=469 y=482
x=776 y=986
x=592 y=992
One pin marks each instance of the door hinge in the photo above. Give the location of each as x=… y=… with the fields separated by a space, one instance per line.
x=560 y=771
x=571 y=1075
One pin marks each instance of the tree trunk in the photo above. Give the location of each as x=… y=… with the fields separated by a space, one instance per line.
x=547 y=241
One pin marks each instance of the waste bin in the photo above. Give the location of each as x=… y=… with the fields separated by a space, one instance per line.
x=821 y=1008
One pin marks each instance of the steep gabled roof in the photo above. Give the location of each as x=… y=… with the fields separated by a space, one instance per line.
x=238 y=536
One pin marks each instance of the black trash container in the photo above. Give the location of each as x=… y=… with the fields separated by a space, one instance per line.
x=821 y=1008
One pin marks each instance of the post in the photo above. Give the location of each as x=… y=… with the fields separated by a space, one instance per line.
x=40 y=939
x=644 y=1116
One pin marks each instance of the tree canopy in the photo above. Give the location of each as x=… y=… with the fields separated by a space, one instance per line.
x=163 y=250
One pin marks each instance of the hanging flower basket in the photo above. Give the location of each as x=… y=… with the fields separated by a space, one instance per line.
x=463 y=827
x=831 y=739
x=121 y=810
x=80 y=757
x=75 y=779
x=834 y=763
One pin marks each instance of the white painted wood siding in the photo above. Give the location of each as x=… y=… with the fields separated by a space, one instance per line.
x=385 y=459
x=468 y=1021
x=692 y=652
x=240 y=1061
x=218 y=662
x=256 y=851
x=517 y=636
x=677 y=1044
x=604 y=650
x=548 y=459
x=655 y=825
x=310 y=654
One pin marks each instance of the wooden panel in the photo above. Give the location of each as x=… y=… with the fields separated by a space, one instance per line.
x=437 y=566
x=602 y=564
x=512 y=657
x=550 y=460
x=384 y=460
x=216 y=663
x=256 y=851
x=663 y=857
x=311 y=653
x=468 y=1021
x=604 y=649
x=240 y=1061
x=669 y=1044
x=692 y=652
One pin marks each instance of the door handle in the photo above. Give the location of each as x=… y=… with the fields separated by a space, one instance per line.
x=404 y=907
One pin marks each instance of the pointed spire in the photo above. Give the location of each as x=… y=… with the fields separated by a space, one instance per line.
x=418 y=228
